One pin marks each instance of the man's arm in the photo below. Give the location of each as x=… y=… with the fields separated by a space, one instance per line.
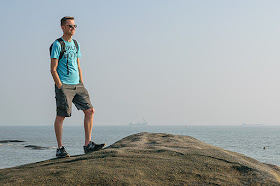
x=54 y=64
x=80 y=71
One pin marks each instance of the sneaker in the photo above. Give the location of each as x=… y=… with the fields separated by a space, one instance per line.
x=93 y=147
x=61 y=153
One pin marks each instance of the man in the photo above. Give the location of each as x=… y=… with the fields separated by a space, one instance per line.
x=67 y=75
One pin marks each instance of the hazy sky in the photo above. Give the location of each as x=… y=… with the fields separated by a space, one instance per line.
x=169 y=61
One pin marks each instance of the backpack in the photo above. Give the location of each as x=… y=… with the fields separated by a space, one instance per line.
x=62 y=44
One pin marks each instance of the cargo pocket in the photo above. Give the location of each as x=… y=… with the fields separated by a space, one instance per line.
x=61 y=100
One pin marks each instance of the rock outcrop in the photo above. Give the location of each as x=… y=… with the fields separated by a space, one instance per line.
x=11 y=141
x=148 y=159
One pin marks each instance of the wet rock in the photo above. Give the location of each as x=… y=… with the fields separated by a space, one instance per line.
x=11 y=141
x=35 y=147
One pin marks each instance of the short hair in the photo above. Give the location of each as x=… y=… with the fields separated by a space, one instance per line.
x=63 y=20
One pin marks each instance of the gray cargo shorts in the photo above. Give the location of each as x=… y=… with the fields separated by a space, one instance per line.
x=68 y=94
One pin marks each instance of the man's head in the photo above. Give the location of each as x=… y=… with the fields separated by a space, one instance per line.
x=68 y=25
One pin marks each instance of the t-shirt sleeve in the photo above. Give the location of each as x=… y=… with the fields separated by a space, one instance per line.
x=56 y=48
x=79 y=51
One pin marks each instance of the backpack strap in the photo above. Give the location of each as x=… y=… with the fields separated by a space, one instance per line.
x=51 y=49
x=62 y=44
x=76 y=44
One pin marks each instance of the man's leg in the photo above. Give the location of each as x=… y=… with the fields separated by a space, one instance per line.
x=58 y=126
x=88 y=123
x=82 y=102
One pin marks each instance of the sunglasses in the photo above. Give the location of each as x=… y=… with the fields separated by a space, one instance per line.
x=72 y=26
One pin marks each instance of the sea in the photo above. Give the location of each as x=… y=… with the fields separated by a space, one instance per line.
x=259 y=142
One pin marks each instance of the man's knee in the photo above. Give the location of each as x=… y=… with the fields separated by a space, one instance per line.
x=60 y=118
x=89 y=112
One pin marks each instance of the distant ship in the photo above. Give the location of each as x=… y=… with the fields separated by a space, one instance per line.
x=252 y=125
x=144 y=122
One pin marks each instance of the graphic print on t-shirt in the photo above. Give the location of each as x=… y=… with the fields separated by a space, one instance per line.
x=70 y=52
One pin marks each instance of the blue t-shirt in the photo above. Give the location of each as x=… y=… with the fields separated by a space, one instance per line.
x=71 y=55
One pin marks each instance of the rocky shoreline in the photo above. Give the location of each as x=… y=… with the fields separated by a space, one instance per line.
x=33 y=147
x=148 y=159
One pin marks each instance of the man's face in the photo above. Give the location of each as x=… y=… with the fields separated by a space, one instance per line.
x=68 y=30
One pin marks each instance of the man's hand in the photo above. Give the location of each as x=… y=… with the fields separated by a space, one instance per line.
x=80 y=71
x=59 y=87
